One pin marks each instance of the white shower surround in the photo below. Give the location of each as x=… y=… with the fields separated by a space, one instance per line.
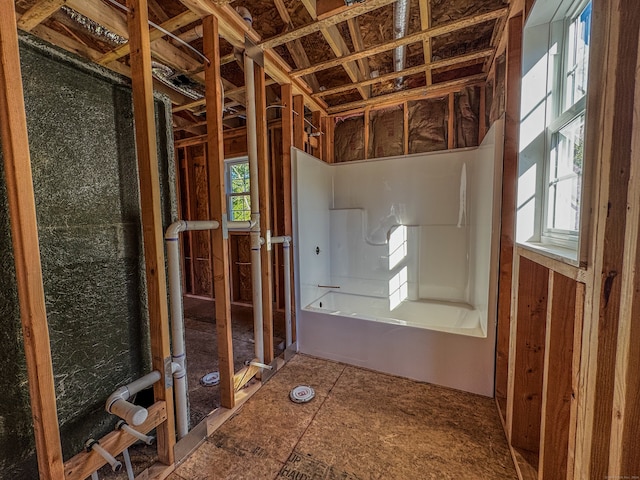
x=344 y=214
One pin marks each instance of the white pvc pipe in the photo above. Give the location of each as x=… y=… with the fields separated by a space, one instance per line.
x=252 y=150
x=117 y=403
x=92 y=444
x=286 y=242
x=127 y=464
x=122 y=425
x=178 y=349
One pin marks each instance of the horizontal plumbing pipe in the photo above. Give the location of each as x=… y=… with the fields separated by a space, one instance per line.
x=122 y=425
x=93 y=445
x=286 y=243
x=178 y=350
x=118 y=405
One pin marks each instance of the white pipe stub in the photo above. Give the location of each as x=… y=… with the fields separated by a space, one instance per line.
x=302 y=394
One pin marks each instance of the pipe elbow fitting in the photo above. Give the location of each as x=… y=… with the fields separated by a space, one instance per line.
x=132 y=414
x=174 y=229
x=118 y=405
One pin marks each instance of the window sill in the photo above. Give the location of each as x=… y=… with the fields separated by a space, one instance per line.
x=561 y=254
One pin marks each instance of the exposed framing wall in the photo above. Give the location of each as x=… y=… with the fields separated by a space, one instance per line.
x=569 y=408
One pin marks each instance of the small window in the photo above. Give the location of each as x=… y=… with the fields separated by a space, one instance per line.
x=238 y=192
x=565 y=144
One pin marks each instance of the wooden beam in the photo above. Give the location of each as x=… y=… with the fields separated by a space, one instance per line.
x=413 y=38
x=558 y=376
x=470 y=57
x=509 y=182
x=626 y=408
x=438 y=89
x=233 y=29
x=73 y=46
x=218 y=206
x=170 y=25
x=367 y=131
x=527 y=356
x=264 y=179
x=317 y=120
x=38 y=13
x=298 y=122
x=610 y=125
x=334 y=38
x=358 y=46
x=84 y=464
x=328 y=139
x=352 y=12
x=26 y=250
x=405 y=130
x=451 y=123
x=157 y=10
x=153 y=239
x=425 y=24
x=295 y=47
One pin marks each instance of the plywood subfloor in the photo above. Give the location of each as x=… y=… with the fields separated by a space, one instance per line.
x=360 y=425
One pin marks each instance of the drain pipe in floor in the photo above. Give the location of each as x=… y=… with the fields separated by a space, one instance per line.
x=178 y=351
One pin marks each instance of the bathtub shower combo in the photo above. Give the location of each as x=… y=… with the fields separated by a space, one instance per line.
x=397 y=262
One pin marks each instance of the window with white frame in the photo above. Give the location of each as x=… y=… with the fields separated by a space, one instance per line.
x=565 y=139
x=237 y=186
x=556 y=45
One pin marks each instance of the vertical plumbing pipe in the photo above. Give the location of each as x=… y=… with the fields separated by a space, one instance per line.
x=287 y=291
x=178 y=351
x=286 y=243
x=252 y=150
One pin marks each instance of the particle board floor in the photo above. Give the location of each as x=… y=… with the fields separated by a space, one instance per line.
x=361 y=425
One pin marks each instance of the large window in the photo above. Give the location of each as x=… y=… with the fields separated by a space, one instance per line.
x=551 y=163
x=237 y=184
x=565 y=145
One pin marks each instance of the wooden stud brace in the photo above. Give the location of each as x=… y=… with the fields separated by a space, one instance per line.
x=218 y=205
x=26 y=250
x=153 y=239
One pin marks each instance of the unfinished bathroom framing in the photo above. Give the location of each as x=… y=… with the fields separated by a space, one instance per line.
x=199 y=194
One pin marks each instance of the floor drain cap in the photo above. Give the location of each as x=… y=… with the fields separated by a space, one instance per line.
x=302 y=394
x=210 y=379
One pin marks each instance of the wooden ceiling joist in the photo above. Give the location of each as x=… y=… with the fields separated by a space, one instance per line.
x=461 y=59
x=233 y=29
x=425 y=24
x=358 y=45
x=437 y=90
x=295 y=48
x=352 y=12
x=37 y=14
x=170 y=25
x=413 y=38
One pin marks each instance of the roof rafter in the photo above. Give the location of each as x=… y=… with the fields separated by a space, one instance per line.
x=413 y=38
x=439 y=89
x=353 y=11
x=295 y=48
x=447 y=62
x=38 y=13
x=171 y=25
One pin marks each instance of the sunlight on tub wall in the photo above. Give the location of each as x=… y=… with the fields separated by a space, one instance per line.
x=409 y=208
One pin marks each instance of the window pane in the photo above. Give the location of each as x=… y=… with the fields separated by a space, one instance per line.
x=565 y=177
x=577 y=62
x=567 y=205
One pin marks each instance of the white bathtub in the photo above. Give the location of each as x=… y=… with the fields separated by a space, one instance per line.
x=449 y=317
x=437 y=343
